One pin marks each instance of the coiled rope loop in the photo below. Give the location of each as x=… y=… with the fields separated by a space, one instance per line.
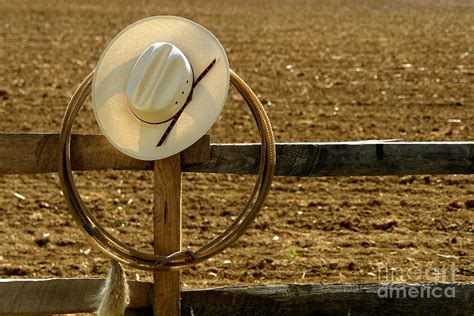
x=117 y=250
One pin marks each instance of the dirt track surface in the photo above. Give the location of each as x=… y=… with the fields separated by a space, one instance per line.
x=326 y=71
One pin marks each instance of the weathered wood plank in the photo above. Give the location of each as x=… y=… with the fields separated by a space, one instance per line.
x=36 y=153
x=63 y=295
x=368 y=158
x=74 y=295
x=167 y=233
x=338 y=299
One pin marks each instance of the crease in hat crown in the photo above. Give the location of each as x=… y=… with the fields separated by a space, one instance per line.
x=159 y=83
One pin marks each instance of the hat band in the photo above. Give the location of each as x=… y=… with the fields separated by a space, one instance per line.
x=175 y=117
x=190 y=97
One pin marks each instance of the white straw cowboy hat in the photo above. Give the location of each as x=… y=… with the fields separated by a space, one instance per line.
x=159 y=86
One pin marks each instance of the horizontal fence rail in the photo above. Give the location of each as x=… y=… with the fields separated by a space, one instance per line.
x=78 y=295
x=37 y=153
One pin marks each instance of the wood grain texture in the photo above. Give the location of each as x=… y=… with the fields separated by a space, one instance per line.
x=36 y=153
x=339 y=299
x=72 y=295
x=167 y=233
x=63 y=295
x=371 y=158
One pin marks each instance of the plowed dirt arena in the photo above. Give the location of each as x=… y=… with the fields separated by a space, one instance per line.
x=326 y=71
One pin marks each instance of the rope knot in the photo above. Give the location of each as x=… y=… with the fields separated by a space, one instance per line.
x=190 y=255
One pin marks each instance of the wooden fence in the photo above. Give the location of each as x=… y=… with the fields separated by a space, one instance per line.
x=37 y=153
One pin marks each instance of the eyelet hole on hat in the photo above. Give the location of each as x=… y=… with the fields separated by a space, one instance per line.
x=176 y=102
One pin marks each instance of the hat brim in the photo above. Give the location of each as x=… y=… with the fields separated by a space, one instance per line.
x=114 y=117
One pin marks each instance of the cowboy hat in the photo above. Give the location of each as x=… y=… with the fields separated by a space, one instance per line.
x=160 y=85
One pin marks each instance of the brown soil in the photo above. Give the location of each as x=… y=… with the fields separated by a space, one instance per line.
x=326 y=71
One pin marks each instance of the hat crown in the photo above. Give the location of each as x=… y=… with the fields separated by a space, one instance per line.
x=159 y=83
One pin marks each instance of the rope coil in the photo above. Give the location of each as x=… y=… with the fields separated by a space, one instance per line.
x=117 y=250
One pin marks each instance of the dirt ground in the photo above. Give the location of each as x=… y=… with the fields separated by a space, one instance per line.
x=326 y=71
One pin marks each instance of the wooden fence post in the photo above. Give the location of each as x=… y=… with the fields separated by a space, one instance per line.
x=167 y=233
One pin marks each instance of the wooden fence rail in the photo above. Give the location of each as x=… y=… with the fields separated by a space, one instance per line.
x=37 y=153
x=78 y=295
